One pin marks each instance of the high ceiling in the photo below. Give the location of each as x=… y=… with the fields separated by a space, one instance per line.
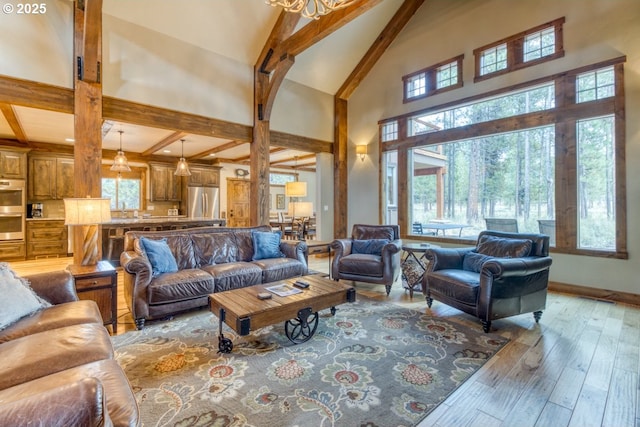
x=238 y=30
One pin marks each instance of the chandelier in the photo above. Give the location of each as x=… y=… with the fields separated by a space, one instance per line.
x=120 y=163
x=311 y=9
x=183 y=168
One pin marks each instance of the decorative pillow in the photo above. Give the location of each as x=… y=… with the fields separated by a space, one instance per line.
x=473 y=261
x=18 y=299
x=503 y=247
x=160 y=256
x=266 y=244
x=369 y=247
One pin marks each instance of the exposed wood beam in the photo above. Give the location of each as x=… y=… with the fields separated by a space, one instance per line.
x=27 y=93
x=90 y=54
x=295 y=142
x=218 y=149
x=268 y=95
x=294 y=158
x=316 y=30
x=382 y=42
x=164 y=118
x=14 y=123
x=245 y=158
x=164 y=142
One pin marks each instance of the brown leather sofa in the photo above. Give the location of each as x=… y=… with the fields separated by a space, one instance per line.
x=57 y=365
x=209 y=259
x=371 y=255
x=504 y=275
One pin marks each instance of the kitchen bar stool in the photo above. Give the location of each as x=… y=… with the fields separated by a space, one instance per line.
x=116 y=235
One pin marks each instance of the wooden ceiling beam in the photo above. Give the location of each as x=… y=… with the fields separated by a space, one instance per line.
x=164 y=142
x=382 y=42
x=218 y=149
x=27 y=93
x=315 y=31
x=14 y=123
x=294 y=158
x=302 y=143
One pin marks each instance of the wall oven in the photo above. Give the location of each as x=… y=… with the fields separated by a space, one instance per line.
x=12 y=209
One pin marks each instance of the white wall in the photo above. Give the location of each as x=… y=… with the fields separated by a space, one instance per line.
x=595 y=30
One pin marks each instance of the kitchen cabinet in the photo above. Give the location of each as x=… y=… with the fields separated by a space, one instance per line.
x=13 y=164
x=165 y=186
x=46 y=238
x=204 y=177
x=12 y=250
x=50 y=178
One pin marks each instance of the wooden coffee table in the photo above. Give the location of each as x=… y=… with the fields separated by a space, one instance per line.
x=244 y=312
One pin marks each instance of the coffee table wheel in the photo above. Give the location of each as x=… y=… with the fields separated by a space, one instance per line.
x=302 y=328
x=225 y=345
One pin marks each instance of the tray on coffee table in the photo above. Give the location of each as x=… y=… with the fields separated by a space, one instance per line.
x=243 y=311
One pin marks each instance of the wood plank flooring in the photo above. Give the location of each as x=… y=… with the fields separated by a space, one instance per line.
x=579 y=367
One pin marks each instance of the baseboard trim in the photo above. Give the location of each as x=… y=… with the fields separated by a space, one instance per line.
x=603 y=294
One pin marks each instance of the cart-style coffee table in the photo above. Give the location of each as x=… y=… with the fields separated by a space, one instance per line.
x=244 y=312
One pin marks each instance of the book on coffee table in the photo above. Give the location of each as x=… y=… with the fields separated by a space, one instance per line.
x=283 y=290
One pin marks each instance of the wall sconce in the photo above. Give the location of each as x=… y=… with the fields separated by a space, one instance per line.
x=361 y=150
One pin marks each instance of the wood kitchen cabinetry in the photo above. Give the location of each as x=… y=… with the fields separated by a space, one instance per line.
x=12 y=250
x=165 y=186
x=46 y=238
x=204 y=177
x=50 y=178
x=13 y=164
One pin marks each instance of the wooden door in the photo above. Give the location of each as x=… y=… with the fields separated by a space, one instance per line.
x=238 y=199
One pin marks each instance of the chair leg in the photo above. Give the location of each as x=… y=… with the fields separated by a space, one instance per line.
x=429 y=301
x=139 y=323
x=537 y=315
x=486 y=325
x=388 y=288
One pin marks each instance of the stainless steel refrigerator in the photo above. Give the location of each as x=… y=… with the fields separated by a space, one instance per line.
x=204 y=202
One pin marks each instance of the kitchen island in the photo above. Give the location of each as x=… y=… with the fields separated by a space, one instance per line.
x=113 y=232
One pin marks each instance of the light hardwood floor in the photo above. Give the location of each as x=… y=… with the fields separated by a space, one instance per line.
x=578 y=367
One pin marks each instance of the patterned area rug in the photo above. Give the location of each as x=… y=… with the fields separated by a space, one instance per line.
x=372 y=364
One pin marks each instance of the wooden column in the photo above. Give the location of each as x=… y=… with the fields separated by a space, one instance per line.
x=340 y=176
x=87 y=150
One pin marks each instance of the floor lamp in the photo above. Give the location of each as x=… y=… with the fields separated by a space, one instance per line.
x=293 y=190
x=88 y=213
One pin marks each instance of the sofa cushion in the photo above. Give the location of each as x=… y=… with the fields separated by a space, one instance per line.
x=266 y=244
x=276 y=269
x=473 y=261
x=361 y=265
x=244 y=242
x=181 y=285
x=37 y=355
x=56 y=316
x=214 y=248
x=160 y=256
x=503 y=247
x=369 y=246
x=234 y=275
x=459 y=285
x=182 y=249
x=18 y=299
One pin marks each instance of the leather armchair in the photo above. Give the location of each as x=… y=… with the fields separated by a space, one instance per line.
x=506 y=274
x=371 y=255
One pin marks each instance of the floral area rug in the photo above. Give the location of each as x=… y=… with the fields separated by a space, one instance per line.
x=372 y=364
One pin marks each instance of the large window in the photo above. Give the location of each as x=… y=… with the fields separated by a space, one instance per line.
x=549 y=154
x=125 y=189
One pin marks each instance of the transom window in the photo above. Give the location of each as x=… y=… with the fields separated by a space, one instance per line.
x=595 y=85
x=530 y=47
x=443 y=76
x=389 y=131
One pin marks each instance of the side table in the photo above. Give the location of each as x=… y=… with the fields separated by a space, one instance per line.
x=414 y=265
x=98 y=283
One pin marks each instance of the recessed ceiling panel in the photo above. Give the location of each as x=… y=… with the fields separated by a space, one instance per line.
x=46 y=126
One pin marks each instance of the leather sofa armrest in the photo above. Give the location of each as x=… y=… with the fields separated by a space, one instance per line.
x=81 y=403
x=341 y=247
x=296 y=249
x=134 y=263
x=392 y=247
x=56 y=287
x=510 y=267
x=444 y=258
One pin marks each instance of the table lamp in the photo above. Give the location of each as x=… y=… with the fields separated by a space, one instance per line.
x=89 y=213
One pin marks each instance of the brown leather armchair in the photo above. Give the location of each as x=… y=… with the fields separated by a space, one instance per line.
x=504 y=275
x=371 y=255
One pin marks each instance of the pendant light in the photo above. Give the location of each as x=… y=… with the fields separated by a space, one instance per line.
x=120 y=163
x=183 y=168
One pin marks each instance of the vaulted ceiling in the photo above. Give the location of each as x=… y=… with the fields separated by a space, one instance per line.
x=236 y=29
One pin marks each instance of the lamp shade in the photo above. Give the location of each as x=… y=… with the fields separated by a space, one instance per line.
x=301 y=209
x=87 y=211
x=361 y=149
x=295 y=189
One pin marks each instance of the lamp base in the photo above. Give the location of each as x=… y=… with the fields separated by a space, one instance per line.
x=90 y=245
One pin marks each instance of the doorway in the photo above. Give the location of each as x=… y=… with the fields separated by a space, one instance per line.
x=238 y=199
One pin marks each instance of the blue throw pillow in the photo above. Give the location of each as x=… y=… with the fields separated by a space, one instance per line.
x=369 y=246
x=473 y=261
x=160 y=256
x=266 y=244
